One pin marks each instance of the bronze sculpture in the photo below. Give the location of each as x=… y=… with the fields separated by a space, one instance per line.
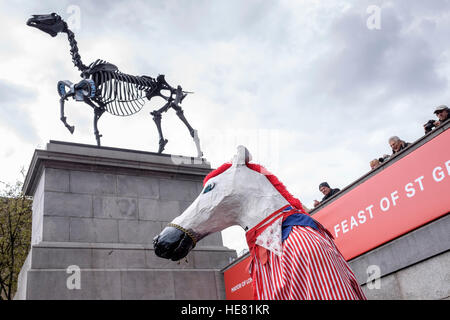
x=105 y=88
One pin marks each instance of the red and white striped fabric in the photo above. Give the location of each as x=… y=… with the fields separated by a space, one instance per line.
x=309 y=268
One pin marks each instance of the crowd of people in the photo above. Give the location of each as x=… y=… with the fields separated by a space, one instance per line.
x=443 y=115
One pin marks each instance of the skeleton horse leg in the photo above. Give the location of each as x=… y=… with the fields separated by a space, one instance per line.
x=157 y=115
x=63 y=117
x=194 y=134
x=98 y=111
x=62 y=85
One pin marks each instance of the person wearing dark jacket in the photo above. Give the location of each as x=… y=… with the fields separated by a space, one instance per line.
x=327 y=191
x=397 y=144
x=442 y=113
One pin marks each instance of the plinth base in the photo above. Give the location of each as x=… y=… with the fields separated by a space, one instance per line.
x=95 y=213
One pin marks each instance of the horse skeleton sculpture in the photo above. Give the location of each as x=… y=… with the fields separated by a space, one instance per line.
x=292 y=255
x=105 y=88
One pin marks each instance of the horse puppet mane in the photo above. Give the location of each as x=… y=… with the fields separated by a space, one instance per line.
x=294 y=202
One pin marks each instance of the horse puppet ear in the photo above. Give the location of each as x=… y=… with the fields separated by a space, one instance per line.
x=242 y=156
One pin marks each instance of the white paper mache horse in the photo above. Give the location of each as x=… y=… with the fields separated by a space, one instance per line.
x=292 y=255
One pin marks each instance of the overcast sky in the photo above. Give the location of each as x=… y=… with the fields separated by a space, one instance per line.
x=313 y=88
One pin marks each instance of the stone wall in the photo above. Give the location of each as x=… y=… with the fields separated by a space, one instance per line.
x=414 y=266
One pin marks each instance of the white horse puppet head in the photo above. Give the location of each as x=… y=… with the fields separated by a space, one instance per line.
x=237 y=193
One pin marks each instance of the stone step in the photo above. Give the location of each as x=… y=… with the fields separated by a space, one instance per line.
x=60 y=256
x=128 y=284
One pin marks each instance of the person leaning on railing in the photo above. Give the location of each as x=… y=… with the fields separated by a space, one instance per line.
x=397 y=144
x=375 y=163
x=324 y=187
x=443 y=114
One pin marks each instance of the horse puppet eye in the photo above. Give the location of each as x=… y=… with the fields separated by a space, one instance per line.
x=209 y=187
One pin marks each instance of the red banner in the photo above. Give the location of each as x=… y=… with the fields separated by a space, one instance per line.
x=238 y=283
x=409 y=193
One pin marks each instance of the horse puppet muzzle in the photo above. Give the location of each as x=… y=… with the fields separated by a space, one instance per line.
x=174 y=242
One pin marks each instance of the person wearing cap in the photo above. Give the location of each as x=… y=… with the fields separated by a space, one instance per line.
x=442 y=112
x=327 y=191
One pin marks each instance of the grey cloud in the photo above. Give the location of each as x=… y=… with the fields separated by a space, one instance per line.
x=191 y=21
x=362 y=74
x=14 y=115
x=392 y=60
x=364 y=78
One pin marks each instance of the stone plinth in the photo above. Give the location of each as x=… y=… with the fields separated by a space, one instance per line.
x=98 y=209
